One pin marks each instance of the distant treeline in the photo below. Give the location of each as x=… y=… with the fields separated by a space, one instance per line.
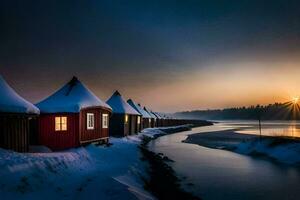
x=277 y=111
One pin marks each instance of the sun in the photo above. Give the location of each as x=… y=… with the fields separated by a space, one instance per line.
x=295 y=100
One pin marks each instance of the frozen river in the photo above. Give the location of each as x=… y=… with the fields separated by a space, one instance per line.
x=219 y=174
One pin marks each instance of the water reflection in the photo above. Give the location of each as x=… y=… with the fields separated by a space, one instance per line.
x=217 y=174
x=269 y=128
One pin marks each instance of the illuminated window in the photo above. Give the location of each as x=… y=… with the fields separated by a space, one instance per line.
x=90 y=121
x=60 y=123
x=126 y=119
x=138 y=120
x=104 y=120
x=63 y=123
x=57 y=124
x=149 y=120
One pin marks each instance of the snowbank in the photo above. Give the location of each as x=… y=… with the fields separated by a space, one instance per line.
x=93 y=172
x=283 y=150
x=156 y=132
x=288 y=153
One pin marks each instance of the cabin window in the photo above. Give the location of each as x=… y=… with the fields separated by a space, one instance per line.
x=60 y=123
x=149 y=120
x=90 y=121
x=126 y=119
x=104 y=120
x=138 y=120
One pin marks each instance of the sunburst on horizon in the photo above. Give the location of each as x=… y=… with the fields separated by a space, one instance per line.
x=295 y=107
x=295 y=100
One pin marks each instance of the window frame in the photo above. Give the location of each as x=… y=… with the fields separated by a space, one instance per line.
x=90 y=121
x=105 y=119
x=64 y=126
x=61 y=126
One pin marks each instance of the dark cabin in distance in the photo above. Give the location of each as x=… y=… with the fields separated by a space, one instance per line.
x=147 y=118
x=144 y=115
x=124 y=120
x=159 y=119
x=15 y=116
x=153 y=118
x=73 y=116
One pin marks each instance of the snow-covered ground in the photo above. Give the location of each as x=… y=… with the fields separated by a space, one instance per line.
x=156 y=132
x=91 y=172
x=288 y=153
x=283 y=150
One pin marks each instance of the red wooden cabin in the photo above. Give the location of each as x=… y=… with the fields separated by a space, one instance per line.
x=73 y=116
x=15 y=116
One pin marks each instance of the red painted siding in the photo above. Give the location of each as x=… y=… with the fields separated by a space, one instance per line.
x=98 y=132
x=76 y=132
x=57 y=140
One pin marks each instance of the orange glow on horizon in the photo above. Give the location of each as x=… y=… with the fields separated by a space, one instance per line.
x=295 y=100
x=237 y=84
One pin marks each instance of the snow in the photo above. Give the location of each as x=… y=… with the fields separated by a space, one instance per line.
x=285 y=151
x=157 y=115
x=91 y=172
x=138 y=108
x=155 y=132
x=71 y=98
x=119 y=105
x=152 y=132
x=11 y=102
x=150 y=113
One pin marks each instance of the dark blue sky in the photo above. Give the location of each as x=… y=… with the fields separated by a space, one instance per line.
x=147 y=49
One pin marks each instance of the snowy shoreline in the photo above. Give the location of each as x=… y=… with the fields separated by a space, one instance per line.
x=279 y=149
x=163 y=181
x=94 y=172
x=80 y=173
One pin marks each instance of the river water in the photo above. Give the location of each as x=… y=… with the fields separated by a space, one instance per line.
x=219 y=174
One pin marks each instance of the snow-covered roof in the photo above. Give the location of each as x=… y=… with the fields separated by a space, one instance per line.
x=163 y=116
x=71 y=98
x=11 y=102
x=157 y=115
x=138 y=108
x=150 y=113
x=119 y=105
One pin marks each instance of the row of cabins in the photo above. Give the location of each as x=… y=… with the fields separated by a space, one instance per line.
x=71 y=117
